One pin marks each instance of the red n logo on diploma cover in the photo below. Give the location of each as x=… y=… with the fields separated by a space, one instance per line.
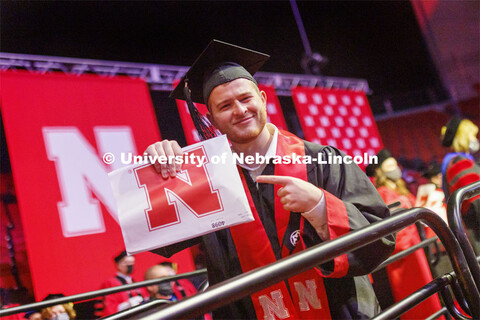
x=191 y=190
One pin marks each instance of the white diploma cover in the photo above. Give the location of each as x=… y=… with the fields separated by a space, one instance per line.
x=206 y=196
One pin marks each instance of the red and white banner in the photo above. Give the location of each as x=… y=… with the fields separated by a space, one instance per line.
x=206 y=196
x=274 y=110
x=61 y=131
x=339 y=118
x=274 y=114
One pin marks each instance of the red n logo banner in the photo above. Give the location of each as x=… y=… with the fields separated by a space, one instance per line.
x=58 y=128
x=193 y=182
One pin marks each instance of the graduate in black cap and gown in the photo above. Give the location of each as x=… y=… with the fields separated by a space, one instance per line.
x=295 y=206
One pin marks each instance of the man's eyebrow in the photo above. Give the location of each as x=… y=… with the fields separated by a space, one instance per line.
x=243 y=94
x=222 y=102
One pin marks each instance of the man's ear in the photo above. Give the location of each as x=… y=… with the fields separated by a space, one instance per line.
x=263 y=96
x=210 y=118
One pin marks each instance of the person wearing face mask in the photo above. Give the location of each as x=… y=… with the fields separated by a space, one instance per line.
x=122 y=300
x=459 y=169
x=412 y=272
x=171 y=290
x=174 y=290
x=388 y=180
x=58 y=312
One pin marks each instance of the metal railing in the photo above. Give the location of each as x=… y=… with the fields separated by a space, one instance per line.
x=255 y=280
x=466 y=292
x=415 y=298
x=437 y=285
x=439 y=313
x=406 y=252
x=456 y=225
x=134 y=311
x=160 y=302
x=97 y=293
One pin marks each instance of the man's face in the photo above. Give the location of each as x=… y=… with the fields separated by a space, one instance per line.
x=122 y=265
x=238 y=110
x=157 y=272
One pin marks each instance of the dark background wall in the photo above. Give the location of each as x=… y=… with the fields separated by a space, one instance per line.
x=376 y=40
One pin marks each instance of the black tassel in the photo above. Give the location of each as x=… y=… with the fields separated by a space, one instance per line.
x=203 y=126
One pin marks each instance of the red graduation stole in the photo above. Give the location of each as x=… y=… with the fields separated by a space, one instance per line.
x=308 y=299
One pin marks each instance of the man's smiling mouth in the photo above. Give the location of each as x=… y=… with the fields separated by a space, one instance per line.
x=244 y=120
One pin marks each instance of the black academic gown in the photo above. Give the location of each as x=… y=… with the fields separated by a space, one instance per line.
x=349 y=297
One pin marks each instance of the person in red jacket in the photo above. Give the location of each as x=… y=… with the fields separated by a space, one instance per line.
x=460 y=169
x=173 y=290
x=116 y=302
x=412 y=272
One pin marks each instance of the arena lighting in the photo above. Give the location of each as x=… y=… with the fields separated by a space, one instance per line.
x=161 y=77
x=312 y=62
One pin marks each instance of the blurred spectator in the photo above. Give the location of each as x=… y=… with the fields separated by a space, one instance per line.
x=459 y=169
x=431 y=196
x=388 y=180
x=434 y=174
x=33 y=315
x=116 y=302
x=58 y=312
x=412 y=272
x=173 y=290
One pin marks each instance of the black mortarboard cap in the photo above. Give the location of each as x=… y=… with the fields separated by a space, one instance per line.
x=382 y=155
x=219 y=63
x=452 y=127
x=120 y=256
x=208 y=69
x=53 y=296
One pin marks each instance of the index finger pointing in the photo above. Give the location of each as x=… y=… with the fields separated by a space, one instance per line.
x=280 y=180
